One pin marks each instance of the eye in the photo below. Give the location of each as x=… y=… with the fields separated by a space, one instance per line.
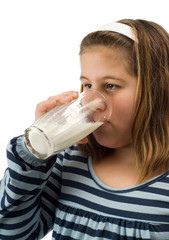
x=87 y=85
x=111 y=86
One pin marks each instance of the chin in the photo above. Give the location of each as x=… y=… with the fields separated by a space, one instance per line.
x=108 y=139
x=102 y=140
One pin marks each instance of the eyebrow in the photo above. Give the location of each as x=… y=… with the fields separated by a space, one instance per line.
x=103 y=78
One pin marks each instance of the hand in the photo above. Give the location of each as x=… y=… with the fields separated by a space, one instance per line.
x=45 y=106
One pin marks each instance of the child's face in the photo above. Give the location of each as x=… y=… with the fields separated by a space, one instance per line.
x=106 y=70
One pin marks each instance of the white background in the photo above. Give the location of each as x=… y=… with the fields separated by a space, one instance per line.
x=39 y=45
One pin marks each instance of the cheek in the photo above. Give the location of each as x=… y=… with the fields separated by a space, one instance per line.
x=123 y=110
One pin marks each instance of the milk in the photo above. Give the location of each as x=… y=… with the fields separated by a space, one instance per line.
x=47 y=139
x=66 y=124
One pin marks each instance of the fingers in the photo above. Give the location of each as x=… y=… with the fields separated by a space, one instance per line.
x=64 y=97
x=44 y=107
x=83 y=141
x=53 y=101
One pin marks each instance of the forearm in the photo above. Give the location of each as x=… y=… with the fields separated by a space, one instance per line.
x=23 y=214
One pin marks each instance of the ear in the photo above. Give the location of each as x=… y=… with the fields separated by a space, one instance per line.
x=83 y=141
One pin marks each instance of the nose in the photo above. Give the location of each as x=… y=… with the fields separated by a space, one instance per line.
x=96 y=106
x=102 y=112
x=101 y=106
x=97 y=110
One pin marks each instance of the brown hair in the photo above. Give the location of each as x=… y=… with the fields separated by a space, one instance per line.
x=149 y=61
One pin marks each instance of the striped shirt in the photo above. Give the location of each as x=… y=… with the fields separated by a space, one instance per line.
x=64 y=194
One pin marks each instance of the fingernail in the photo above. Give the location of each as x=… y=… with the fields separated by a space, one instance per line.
x=75 y=94
x=68 y=98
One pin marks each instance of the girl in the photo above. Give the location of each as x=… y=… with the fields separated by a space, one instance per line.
x=114 y=184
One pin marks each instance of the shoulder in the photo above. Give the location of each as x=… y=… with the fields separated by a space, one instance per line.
x=72 y=157
x=73 y=153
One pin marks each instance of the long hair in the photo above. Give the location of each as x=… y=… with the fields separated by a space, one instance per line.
x=149 y=62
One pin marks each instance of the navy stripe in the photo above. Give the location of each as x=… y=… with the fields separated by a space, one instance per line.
x=50 y=198
x=163 y=192
x=12 y=158
x=58 y=236
x=77 y=171
x=101 y=233
x=20 y=224
x=113 y=211
x=43 y=168
x=112 y=196
x=17 y=236
x=99 y=218
x=63 y=200
x=76 y=158
x=35 y=206
x=59 y=168
x=112 y=236
x=25 y=179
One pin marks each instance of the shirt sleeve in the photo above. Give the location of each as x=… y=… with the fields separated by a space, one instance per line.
x=29 y=192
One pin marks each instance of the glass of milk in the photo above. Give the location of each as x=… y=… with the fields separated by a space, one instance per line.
x=67 y=124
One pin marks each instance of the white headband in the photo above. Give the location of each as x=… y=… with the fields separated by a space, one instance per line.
x=119 y=28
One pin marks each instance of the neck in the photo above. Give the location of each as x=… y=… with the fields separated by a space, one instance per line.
x=118 y=168
x=125 y=156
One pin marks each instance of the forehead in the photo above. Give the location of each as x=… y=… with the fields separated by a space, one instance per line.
x=103 y=56
x=108 y=50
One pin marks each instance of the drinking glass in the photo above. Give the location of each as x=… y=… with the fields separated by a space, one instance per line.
x=67 y=124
